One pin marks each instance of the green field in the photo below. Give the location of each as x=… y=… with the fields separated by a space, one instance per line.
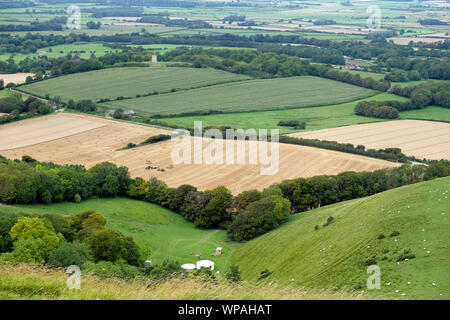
x=82 y=50
x=428 y=113
x=316 y=118
x=165 y=233
x=261 y=94
x=330 y=256
x=115 y=82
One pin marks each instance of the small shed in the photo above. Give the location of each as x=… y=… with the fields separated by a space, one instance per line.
x=205 y=264
x=154 y=58
x=188 y=267
x=219 y=251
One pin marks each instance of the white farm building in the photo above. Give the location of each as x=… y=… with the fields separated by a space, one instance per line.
x=205 y=264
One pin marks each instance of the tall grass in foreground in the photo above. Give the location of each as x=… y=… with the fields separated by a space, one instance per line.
x=37 y=282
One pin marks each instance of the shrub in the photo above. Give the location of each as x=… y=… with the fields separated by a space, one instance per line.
x=259 y=217
x=71 y=253
x=264 y=274
x=106 y=244
x=167 y=268
x=233 y=274
x=381 y=236
x=330 y=220
x=108 y=269
x=29 y=250
x=34 y=228
x=77 y=198
x=394 y=234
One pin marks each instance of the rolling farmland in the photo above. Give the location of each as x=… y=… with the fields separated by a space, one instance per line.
x=422 y=139
x=265 y=94
x=128 y=82
x=101 y=140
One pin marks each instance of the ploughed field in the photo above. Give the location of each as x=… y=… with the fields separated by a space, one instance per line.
x=96 y=140
x=422 y=139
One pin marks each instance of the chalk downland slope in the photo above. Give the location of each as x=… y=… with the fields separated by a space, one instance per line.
x=337 y=255
x=103 y=143
x=422 y=139
x=128 y=82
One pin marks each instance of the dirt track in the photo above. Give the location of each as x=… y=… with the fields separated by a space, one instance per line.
x=96 y=140
x=422 y=139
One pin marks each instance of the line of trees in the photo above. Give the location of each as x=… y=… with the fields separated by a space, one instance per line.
x=264 y=65
x=422 y=95
x=17 y=109
x=367 y=109
x=54 y=24
x=244 y=216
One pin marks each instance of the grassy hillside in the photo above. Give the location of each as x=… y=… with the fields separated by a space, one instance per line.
x=331 y=256
x=166 y=234
x=261 y=94
x=127 y=82
x=33 y=282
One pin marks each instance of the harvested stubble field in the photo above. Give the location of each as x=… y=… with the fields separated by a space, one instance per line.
x=15 y=77
x=260 y=94
x=101 y=140
x=128 y=82
x=422 y=139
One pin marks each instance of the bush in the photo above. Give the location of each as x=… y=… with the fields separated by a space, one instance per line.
x=264 y=274
x=108 y=269
x=259 y=217
x=167 y=268
x=7 y=221
x=330 y=220
x=394 y=234
x=233 y=274
x=29 y=250
x=106 y=244
x=34 y=228
x=110 y=245
x=71 y=253
x=370 y=109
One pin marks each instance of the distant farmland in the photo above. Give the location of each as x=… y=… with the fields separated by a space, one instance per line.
x=128 y=82
x=261 y=94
